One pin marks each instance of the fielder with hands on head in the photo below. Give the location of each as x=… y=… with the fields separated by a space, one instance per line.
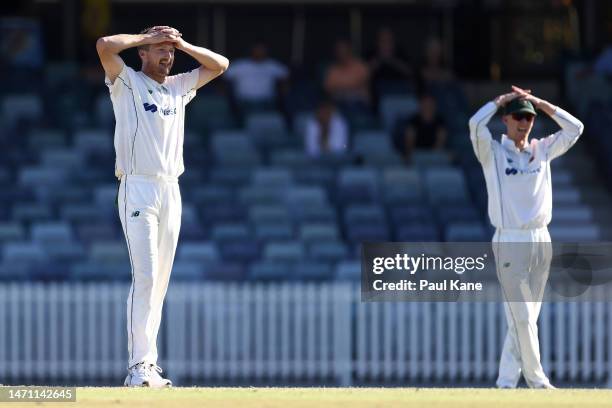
x=149 y=108
x=518 y=179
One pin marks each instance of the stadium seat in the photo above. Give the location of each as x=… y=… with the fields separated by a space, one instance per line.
x=358 y=185
x=11 y=231
x=466 y=232
x=21 y=106
x=328 y=251
x=284 y=251
x=317 y=232
x=273 y=231
x=109 y=252
x=187 y=271
x=24 y=252
x=259 y=214
x=51 y=232
x=230 y=232
x=93 y=141
x=313 y=271
x=348 y=271
x=364 y=214
x=272 y=177
x=417 y=232
x=446 y=186
x=30 y=212
x=305 y=196
x=395 y=107
x=270 y=271
x=203 y=252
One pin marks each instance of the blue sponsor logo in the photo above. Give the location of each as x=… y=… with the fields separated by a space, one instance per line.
x=150 y=107
x=511 y=171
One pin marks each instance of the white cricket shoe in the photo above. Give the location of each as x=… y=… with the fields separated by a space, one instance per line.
x=146 y=375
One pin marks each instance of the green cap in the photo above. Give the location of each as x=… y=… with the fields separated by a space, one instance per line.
x=519 y=105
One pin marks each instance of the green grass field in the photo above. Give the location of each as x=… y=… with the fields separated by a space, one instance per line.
x=334 y=397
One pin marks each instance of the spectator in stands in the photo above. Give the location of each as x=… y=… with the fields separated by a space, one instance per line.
x=327 y=131
x=424 y=130
x=388 y=63
x=347 y=79
x=257 y=79
x=435 y=69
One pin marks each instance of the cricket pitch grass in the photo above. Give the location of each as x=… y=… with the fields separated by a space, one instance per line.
x=333 y=397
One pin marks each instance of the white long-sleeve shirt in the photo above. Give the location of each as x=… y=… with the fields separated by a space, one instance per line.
x=518 y=182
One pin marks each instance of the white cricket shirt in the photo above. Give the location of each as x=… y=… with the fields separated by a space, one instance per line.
x=150 y=122
x=518 y=182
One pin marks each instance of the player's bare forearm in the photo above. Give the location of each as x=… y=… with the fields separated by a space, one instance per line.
x=212 y=64
x=207 y=58
x=540 y=104
x=116 y=43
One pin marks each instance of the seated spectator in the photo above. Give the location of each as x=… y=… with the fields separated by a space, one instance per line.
x=388 y=66
x=425 y=130
x=326 y=132
x=347 y=79
x=388 y=62
x=255 y=79
x=434 y=69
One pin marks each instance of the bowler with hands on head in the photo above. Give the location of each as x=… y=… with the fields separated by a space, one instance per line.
x=149 y=107
x=518 y=180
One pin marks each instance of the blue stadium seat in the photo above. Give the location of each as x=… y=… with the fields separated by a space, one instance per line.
x=21 y=106
x=203 y=252
x=446 y=185
x=260 y=195
x=364 y=214
x=402 y=185
x=317 y=232
x=93 y=141
x=231 y=176
x=358 y=185
x=284 y=251
x=413 y=213
x=466 y=232
x=11 y=231
x=426 y=159
x=230 y=232
x=225 y=271
x=289 y=158
x=29 y=212
x=24 y=252
x=240 y=250
x=109 y=252
x=211 y=194
x=395 y=107
x=313 y=271
x=348 y=271
x=42 y=176
x=315 y=213
x=259 y=214
x=273 y=231
x=417 y=232
x=43 y=139
x=447 y=214
x=98 y=231
x=51 y=232
x=187 y=271
x=272 y=177
x=270 y=271
x=305 y=196
x=328 y=251
x=65 y=158
x=358 y=233
x=93 y=271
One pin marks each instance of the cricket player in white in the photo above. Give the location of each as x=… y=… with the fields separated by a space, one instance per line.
x=149 y=108
x=518 y=179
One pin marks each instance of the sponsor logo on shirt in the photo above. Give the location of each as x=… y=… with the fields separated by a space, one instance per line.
x=151 y=107
x=511 y=171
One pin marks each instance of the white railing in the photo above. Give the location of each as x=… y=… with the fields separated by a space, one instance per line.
x=320 y=333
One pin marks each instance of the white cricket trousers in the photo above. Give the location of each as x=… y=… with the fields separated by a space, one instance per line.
x=150 y=213
x=522 y=260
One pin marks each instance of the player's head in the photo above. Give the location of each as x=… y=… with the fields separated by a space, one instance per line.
x=519 y=116
x=156 y=58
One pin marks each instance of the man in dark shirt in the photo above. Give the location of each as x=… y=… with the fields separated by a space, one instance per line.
x=425 y=130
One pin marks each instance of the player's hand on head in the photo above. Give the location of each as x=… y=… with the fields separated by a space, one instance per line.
x=503 y=99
